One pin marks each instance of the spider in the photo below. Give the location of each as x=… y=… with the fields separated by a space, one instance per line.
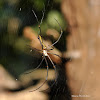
x=45 y=50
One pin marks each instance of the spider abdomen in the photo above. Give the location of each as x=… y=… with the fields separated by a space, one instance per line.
x=45 y=53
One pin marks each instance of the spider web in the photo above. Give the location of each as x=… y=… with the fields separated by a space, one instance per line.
x=24 y=16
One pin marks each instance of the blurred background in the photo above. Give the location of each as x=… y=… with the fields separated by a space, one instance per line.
x=78 y=65
x=18 y=34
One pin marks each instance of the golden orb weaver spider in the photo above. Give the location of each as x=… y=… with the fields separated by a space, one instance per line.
x=45 y=50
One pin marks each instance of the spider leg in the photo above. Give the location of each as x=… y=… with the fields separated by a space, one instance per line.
x=34 y=48
x=55 y=55
x=35 y=16
x=51 y=47
x=46 y=76
x=55 y=74
x=39 y=23
x=36 y=67
x=46 y=66
x=43 y=12
x=61 y=32
x=39 y=37
x=53 y=67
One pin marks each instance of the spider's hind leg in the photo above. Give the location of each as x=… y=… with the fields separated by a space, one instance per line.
x=54 y=68
x=55 y=75
x=46 y=77
x=35 y=68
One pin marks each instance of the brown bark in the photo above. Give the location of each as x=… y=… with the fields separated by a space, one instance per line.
x=83 y=71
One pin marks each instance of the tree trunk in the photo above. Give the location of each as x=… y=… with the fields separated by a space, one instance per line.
x=83 y=45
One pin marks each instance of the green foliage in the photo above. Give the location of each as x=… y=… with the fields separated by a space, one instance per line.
x=52 y=15
x=20 y=44
x=1 y=4
x=39 y=4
